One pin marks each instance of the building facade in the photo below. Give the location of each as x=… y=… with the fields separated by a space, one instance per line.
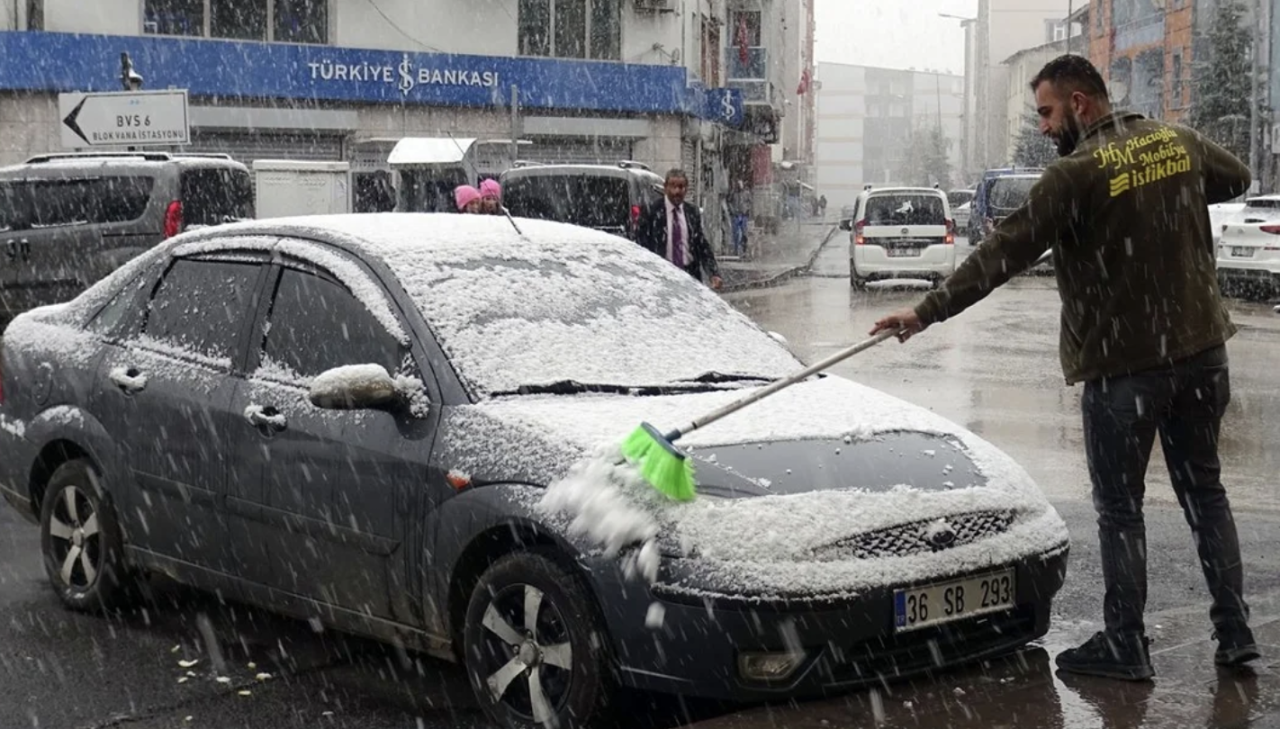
x=1145 y=49
x=868 y=120
x=591 y=80
x=1019 y=101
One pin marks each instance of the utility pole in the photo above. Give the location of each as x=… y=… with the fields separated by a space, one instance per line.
x=515 y=123
x=982 y=64
x=1070 y=12
x=1255 y=151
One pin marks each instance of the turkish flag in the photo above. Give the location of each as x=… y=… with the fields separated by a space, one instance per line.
x=743 y=54
x=804 y=83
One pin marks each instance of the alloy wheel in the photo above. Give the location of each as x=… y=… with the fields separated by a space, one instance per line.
x=527 y=656
x=75 y=538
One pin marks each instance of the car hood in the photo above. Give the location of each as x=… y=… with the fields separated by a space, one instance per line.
x=791 y=490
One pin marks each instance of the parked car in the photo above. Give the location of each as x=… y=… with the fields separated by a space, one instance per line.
x=901 y=233
x=961 y=215
x=66 y=220
x=956 y=198
x=1249 y=249
x=982 y=196
x=383 y=469
x=601 y=197
x=1220 y=215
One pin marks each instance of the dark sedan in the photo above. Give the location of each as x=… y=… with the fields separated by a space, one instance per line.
x=361 y=420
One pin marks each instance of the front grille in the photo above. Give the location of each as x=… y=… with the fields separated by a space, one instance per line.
x=904 y=654
x=914 y=538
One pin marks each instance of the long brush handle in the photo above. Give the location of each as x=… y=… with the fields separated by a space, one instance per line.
x=764 y=392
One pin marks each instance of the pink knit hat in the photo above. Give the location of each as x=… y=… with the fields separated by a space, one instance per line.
x=490 y=188
x=464 y=195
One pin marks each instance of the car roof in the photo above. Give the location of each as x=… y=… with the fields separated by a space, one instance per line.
x=121 y=162
x=901 y=190
x=1261 y=198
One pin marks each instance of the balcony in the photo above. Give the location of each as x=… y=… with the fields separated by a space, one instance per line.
x=1140 y=32
x=751 y=77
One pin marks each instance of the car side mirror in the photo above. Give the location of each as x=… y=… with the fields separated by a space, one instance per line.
x=846 y=224
x=354 y=387
x=779 y=339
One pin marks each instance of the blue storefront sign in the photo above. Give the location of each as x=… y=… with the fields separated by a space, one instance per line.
x=723 y=106
x=58 y=62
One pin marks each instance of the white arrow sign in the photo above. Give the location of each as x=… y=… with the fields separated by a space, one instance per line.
x=132 y=118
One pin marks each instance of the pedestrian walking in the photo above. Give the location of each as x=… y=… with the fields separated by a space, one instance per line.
x=1125 y=210
x=740 y=210
x=822 y=206
x=491 y=197
x=672 y=228
x=468 y=199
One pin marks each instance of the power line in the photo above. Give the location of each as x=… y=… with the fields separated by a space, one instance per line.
x=401 y=31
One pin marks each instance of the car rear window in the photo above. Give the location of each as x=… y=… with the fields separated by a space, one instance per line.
x=216 y=195
x=429 y=191
x=46 y=203
x=905 y=209
x=1010 y=193
x=592 y=201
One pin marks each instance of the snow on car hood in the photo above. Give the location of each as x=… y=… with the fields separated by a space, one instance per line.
x=770 y=546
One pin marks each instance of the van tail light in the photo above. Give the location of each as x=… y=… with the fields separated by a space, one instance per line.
x=950 y=238
x=1272 y=229
x=858 y=238
x=635 y=218
x=173 y=219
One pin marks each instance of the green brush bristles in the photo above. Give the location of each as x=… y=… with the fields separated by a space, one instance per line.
x=661 y=465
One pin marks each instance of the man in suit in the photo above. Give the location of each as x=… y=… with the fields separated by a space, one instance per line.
x=672 y=229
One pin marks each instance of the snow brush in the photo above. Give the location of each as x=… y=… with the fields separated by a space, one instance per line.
x=666 y=468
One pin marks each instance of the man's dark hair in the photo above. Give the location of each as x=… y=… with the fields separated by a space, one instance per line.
x=1072 y=73
x=676 y=172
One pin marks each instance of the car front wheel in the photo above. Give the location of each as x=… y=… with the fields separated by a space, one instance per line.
x=535 y=650
x=82 y=542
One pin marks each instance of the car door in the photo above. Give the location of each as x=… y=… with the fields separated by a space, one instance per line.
x=328 y=517
x=167 y=389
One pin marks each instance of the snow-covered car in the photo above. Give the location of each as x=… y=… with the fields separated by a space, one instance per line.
x=1249 y=248
x=400 y=425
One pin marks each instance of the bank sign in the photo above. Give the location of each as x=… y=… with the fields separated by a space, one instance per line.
x=63 y=62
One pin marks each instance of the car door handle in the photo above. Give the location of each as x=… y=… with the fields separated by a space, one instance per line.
x=266 y=418
x=130 y=380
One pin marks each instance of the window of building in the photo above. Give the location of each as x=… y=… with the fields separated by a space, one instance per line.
x=284 y=21
x=710 y=54
x=1097 y=18
x=35 y=14
x=571 y=29
x=746 y=22
x=301 y=21
x=1175 y=84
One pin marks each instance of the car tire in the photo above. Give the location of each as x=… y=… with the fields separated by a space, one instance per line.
x=82 y=542
x=578 y=684
x=859 y=283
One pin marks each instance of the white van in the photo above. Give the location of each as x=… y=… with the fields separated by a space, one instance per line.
x=901 y=233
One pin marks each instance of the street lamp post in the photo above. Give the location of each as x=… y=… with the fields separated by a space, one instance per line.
x=967 y=115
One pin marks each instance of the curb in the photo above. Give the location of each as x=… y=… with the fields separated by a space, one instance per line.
x=784 y=276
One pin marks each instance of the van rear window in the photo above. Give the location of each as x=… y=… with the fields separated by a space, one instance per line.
x=54 y=202
x=905 y=209
x=592 y=201
x=1010 y=193
x=215 y=195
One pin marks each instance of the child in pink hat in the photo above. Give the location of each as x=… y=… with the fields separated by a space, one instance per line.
x=468 y=199
x=491 y=197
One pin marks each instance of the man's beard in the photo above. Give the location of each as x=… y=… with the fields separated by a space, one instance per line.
x=1069 y=136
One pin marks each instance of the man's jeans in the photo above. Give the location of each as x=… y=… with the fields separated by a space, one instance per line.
x=1184 y=403
x=739 y=234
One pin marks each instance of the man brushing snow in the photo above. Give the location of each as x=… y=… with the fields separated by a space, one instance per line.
x=1143 y=326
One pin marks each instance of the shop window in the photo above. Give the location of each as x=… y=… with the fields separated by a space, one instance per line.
x=35 y=14
x=301 y=21
x=173 y=17
x=571 y=28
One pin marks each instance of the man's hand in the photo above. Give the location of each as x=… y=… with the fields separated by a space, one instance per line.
x=716 y=283
x=906 y=322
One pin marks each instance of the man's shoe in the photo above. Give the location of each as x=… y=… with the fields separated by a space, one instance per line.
x=1126 y=659
x=1235 y=646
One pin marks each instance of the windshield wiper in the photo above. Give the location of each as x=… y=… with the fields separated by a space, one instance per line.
x=713 y=377
x=568 y=387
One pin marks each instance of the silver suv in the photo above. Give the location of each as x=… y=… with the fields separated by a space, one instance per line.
x=67 y=220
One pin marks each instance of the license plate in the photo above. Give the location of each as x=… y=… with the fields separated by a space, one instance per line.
x=942 y=602
x=902 y=252
x=1238 y=252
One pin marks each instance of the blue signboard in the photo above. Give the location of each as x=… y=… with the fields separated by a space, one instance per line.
x=57 y=62
x=723 y=106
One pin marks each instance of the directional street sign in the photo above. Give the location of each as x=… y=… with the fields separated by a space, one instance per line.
x=124 y=118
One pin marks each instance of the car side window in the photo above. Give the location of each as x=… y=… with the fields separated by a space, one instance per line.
x=200 y=306
x=316 y=324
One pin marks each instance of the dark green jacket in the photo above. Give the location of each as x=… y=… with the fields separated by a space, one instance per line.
x=1127 y=216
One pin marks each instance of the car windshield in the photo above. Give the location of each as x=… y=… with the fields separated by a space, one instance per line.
x=1010 y=193
x=559 y=305
x=592 y=201
x=959 y=197
x=905 y=209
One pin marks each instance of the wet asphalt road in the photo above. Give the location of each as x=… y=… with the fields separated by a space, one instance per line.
x=994 y=371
